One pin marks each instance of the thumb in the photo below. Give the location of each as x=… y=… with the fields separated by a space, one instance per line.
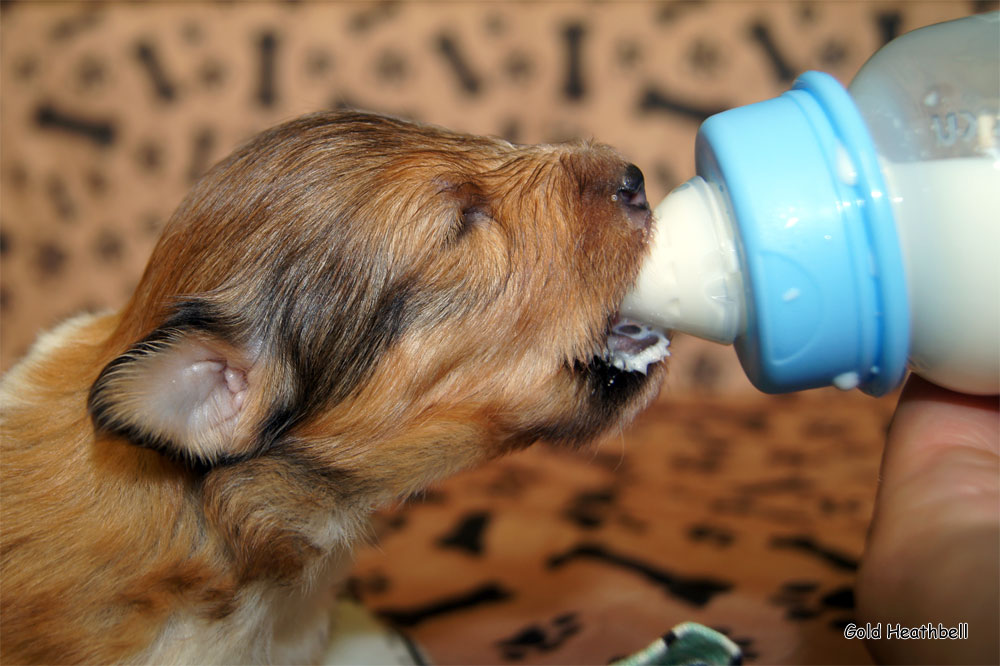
x=933 y=551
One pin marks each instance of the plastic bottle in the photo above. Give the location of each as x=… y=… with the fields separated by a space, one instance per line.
x=832 y=237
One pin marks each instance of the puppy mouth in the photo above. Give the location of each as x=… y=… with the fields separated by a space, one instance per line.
x=633 y=346
x=618 y=378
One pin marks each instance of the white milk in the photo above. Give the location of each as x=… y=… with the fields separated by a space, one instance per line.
x=948 y=219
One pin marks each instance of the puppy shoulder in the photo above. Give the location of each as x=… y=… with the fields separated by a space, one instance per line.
x=16 y=383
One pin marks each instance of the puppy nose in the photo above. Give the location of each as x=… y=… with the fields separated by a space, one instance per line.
x=632 y=195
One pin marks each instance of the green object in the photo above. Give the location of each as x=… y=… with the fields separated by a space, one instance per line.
x=687 y=644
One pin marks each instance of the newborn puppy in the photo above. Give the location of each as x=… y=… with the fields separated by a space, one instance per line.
x=344 y=310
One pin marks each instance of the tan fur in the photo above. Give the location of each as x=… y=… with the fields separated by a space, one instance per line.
x=398 y=301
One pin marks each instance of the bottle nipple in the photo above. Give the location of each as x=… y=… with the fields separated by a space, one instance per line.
x=690 y=281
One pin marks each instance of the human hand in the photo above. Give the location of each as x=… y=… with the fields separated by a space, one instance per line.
x=933 y=551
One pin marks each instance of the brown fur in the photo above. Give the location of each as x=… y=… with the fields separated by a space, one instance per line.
x=394 y=302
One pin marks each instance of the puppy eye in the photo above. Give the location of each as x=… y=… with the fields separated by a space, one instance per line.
x=470 y=205
x=472 y=216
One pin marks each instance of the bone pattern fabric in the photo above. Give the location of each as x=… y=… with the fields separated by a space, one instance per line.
x=743 y=512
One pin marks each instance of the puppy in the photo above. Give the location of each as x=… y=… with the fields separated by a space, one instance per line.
x=346 y=309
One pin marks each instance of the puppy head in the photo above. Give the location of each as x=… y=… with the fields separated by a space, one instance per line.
x=383 y=299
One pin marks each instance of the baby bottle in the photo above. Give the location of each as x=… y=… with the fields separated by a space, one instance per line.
x=836 y=237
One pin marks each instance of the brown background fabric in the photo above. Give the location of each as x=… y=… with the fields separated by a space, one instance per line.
x=721 y=505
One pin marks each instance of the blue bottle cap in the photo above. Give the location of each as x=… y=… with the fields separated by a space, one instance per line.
x=826 y=296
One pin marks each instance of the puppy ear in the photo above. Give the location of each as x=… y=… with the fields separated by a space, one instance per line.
x=181 y=391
